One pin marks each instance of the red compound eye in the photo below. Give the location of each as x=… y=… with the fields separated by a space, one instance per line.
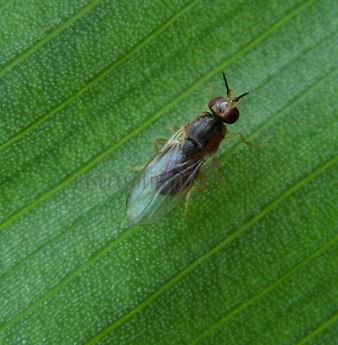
x=232 y=116
x=215 y=102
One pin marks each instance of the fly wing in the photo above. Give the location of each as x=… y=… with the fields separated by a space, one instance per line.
x=163 y=183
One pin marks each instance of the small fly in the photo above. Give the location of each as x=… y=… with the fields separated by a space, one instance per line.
x=167 y=178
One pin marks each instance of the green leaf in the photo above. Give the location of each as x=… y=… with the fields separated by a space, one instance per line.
x=86 y=88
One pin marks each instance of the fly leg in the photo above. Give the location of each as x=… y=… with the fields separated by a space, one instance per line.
x=158 y=144
x=187 y=201
x=215 y=163
x=198 y=186
x=200 y=182
x=174 y=129
x=137 y=168
x=243 y=139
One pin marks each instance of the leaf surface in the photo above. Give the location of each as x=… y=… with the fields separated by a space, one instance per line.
x=87 y=87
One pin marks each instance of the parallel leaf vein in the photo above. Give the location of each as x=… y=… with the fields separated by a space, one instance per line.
x=322 y=327
x=93 y=162
x=266 y=291
x=43 y=41
x=216 y=249
x=101 y=75
x=228 y=153
x=181 y=274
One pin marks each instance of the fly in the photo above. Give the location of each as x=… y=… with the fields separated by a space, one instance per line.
x=167 y=178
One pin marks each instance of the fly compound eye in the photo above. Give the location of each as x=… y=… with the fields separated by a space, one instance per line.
x=232 y=115
x=217 y=105
x=213 y=103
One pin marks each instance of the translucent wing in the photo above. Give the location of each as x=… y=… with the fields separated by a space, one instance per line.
x=163 y=183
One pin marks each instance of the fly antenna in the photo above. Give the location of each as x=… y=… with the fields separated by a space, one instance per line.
x=236 y=99
x=226 y=85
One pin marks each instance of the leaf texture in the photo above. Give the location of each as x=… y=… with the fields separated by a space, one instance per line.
x=86 y=88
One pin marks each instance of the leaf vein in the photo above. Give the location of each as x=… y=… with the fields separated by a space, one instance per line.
x=267 y=290
x=101 y=75
x=224 y=156
x=215 y=250
x=180 y=275
x=93 y=162
x=40 y=43
x=117 y=240
x=319 y=329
